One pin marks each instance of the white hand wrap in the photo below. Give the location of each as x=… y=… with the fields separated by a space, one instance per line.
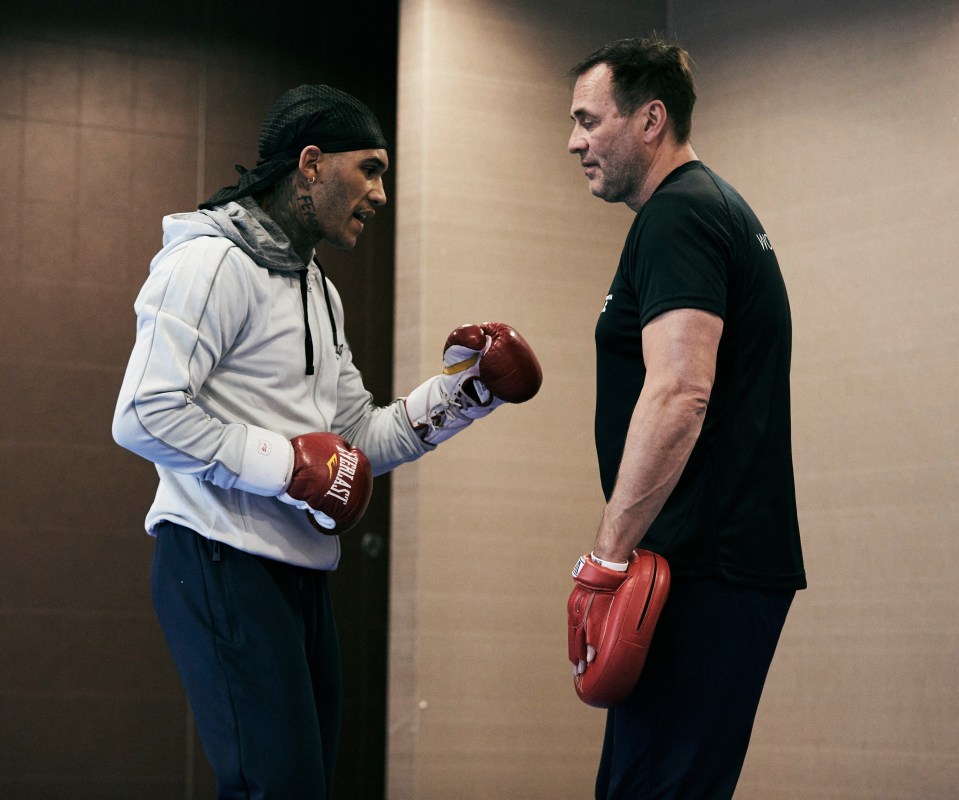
x=445 y=404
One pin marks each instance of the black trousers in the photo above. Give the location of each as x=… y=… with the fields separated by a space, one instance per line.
x=684 y=731
x=255 y=645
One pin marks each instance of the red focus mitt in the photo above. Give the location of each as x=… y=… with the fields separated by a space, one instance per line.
x=616 y=613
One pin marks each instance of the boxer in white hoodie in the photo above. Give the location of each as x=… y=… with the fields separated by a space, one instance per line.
x=241 y=388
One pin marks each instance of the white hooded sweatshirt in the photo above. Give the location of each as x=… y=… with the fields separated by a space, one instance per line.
x=217 y=385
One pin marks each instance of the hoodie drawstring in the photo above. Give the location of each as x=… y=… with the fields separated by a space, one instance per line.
x=306 y=322
x=337 y=347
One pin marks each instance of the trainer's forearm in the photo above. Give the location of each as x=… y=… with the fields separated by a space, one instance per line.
x=664 y=428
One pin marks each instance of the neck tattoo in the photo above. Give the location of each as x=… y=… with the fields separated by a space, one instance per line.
x=307 y=211
x=295 y=213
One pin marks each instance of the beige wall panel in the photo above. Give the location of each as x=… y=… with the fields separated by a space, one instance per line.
x=838 y=124
x=494 y=221
x=844 y=138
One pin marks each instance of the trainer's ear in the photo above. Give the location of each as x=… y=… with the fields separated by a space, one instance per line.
x=652 y=120
x=311 y=160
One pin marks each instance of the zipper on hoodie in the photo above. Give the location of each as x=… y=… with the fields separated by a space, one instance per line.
x=306 y=290
x=337 y=347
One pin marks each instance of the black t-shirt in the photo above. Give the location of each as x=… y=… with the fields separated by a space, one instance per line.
x=697 y=244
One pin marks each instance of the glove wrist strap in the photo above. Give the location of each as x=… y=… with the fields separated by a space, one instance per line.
x=618 y=566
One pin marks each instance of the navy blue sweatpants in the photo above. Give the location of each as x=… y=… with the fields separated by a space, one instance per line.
x=255 y=644
x=684 y=731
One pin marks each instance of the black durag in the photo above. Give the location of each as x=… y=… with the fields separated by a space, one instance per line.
x=320 y=115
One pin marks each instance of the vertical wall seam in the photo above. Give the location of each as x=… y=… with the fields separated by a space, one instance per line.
x=201 y=129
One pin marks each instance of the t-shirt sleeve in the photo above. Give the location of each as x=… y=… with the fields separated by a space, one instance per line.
x=679 y=260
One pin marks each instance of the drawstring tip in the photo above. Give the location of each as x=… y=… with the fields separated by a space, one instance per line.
x=310 y=370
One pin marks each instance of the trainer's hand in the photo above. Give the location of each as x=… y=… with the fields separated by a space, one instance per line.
x=483 y=367
x=580 y=667
x=330 y=480
x=611 y=619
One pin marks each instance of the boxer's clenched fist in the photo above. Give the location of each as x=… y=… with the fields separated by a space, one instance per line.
x=483 y=367
x=330 y=480
x=509 y=367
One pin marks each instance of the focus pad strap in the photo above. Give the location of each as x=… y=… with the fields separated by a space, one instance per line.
x=616 y=613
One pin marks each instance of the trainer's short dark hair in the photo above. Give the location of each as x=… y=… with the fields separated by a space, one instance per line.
x=645 y=69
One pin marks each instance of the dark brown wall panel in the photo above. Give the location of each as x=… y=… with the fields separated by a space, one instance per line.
x=111 y=116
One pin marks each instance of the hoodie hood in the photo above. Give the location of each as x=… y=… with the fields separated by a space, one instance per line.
x=245 y=224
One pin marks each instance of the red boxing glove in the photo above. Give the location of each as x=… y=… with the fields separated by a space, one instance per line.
x=483 y=367
x=616 y=613
x=509 y=367
x=331 y=479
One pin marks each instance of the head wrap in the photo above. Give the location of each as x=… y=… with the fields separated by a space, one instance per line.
x=334 y=121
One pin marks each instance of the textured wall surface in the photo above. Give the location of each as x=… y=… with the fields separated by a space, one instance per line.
x=494 y=221
x=837 y=121
x=111 y=116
